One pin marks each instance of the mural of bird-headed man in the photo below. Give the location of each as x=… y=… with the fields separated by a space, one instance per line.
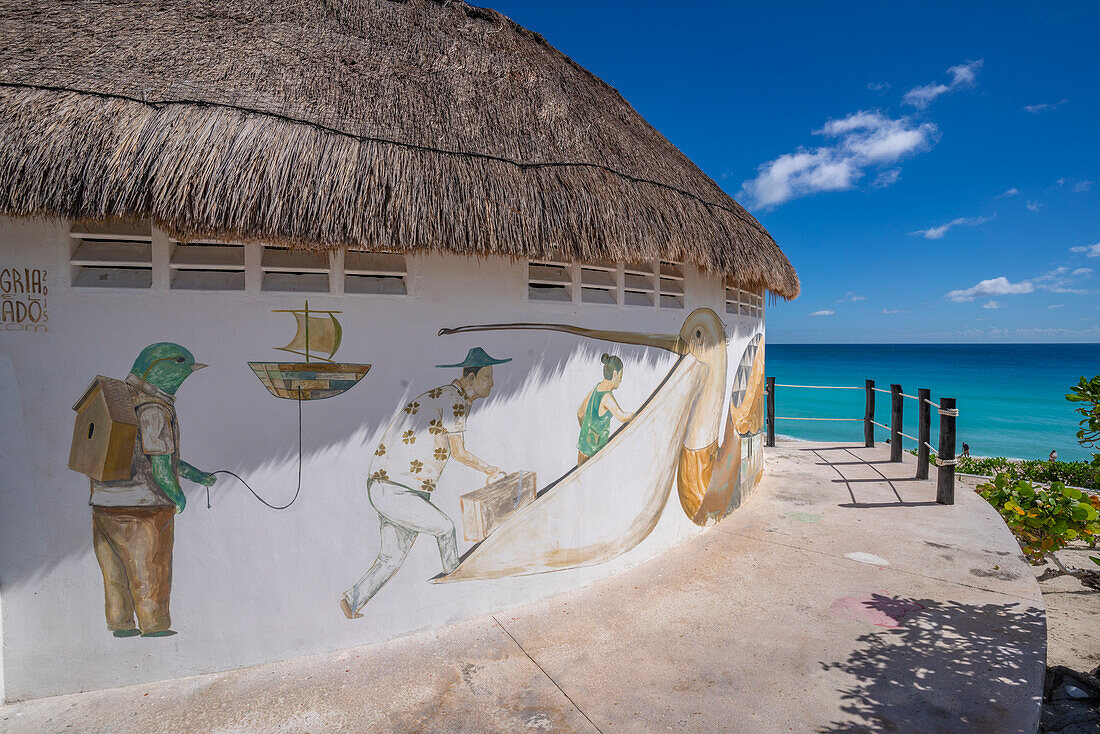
x=133 y=519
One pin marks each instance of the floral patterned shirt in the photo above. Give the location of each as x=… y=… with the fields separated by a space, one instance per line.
x=414 y=448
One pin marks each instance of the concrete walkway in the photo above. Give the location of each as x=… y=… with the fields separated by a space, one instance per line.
x=841 y=598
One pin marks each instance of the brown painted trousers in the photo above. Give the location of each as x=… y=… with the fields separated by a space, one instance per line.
x=134 y=548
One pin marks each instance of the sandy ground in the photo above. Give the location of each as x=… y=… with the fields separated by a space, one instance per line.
x=1073 y=609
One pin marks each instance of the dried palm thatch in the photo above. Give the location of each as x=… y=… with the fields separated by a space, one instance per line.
x=376 y=124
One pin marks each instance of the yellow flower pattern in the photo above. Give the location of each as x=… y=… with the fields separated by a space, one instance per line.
x=414 y=450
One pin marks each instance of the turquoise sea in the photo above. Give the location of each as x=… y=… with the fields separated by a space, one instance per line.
x=1011 y=397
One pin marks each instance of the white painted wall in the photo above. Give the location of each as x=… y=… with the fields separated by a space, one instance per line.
x=250 y=584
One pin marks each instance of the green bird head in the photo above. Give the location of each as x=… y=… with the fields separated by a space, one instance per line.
x=165 y=365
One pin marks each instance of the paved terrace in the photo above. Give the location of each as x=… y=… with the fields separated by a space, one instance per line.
x=840 y=598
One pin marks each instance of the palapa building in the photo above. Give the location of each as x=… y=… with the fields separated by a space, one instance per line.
x=444 y=282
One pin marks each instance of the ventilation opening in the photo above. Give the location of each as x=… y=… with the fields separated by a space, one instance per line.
x=742 y=302
x=111 y=255
x=549 y=281
x=600 y=283
x=207 y=266
x=671 y=284
x=375 y=273
x=295 y=271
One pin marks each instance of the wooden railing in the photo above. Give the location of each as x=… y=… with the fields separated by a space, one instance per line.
x=945 y=451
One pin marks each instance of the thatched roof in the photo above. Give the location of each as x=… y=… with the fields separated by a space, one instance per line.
x=329 y=123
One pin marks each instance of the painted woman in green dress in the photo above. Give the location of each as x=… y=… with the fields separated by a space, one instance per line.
x=594 y=414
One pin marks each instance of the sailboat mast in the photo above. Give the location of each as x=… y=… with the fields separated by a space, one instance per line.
x=307 y=331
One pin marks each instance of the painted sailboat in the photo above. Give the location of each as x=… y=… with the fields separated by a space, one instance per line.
x=318 y=377
x=674 y=435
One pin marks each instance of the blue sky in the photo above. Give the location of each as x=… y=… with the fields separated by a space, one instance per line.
x=932 y=170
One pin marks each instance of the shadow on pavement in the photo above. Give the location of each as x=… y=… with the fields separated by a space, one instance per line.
x=947 y=666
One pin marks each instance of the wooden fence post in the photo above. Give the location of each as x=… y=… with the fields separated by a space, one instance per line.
x=945 y=474
x=868 y=416
x=771 y=411
x=895 y=422
x=924 y=431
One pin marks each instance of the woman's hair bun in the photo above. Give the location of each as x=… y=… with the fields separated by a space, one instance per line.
x=605 y=358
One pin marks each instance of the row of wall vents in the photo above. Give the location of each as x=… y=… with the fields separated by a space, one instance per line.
x=659 y=283
x=120 y=255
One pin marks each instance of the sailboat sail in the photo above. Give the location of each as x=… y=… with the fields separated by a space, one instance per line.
x=315 y=334
x=312 y=379
x=556 y=531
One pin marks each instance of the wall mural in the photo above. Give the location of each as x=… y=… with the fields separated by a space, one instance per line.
x=127 y=441
x=415 y=448
x=594 y=415
x=674 y=436
x=311 y=380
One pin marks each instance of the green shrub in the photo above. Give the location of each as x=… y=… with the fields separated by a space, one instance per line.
x=1043 y=520
x=1075 y=473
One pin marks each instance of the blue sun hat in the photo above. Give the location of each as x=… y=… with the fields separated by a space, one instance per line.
x=476 y=357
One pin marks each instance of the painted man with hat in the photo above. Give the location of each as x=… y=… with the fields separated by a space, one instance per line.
x=415 y=448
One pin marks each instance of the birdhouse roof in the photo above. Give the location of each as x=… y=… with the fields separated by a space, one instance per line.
x=116 y=396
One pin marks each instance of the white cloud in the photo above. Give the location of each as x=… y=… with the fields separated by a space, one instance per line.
x=889 y=177
x=1033 y=206
x=852 y=296
x=992 y=304
x=1011 y=192
x=823 y=312
x=1037 y=108
x=999 y=286
x=879 y=87
x=863 y=140
x=892 y=311
x=1088 y=250
x=937 y=233
x=962 y=76
x=1081 y=187
x=1059 y=280
x=1057 y=305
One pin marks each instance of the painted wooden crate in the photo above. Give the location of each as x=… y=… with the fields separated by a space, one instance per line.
x=485 y=508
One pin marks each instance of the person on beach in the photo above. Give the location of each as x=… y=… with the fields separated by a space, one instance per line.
x=966 y=451
x=1054 y=455
x=595 y=411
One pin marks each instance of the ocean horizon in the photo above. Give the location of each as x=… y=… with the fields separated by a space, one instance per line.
x=1010 y=397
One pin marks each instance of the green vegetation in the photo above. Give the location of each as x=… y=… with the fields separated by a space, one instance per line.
x=1045 y=520
x=1087 y=393
x=1074 y=473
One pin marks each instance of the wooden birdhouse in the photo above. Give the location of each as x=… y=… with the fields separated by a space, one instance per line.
x=105 y=431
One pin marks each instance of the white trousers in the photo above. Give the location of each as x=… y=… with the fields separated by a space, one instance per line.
x=402 y=515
